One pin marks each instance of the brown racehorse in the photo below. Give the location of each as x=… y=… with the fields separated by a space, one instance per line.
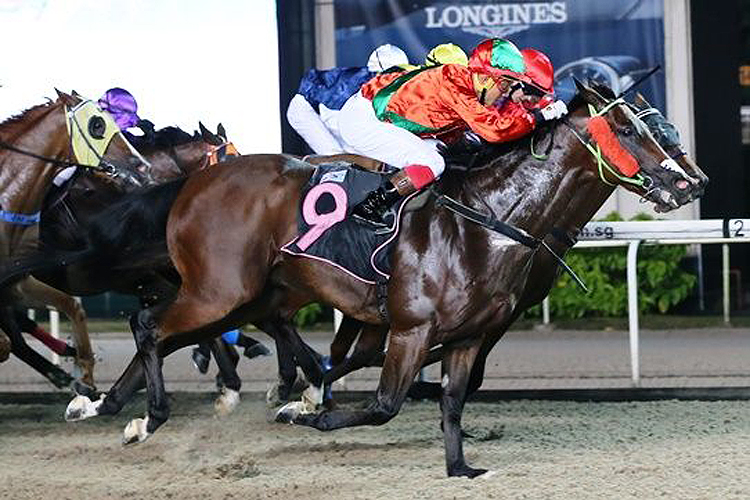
x=34 y=147
x=452 y=277
x=544 y=269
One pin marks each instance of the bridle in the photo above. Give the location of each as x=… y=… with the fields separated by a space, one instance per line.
x=603 y=167
x=104 y=166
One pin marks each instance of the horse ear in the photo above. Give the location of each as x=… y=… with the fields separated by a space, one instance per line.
x=588 y=94
x=62 y=96
x=208 y=136
x=641 y=101
x=221 y=132
x=204 y=131
x=75 y=94
x=580 y=87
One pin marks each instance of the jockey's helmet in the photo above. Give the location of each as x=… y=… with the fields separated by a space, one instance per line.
x=446 y=53
x=122 y=106
x=539 y=72
x=497 y=58
x=385 y=57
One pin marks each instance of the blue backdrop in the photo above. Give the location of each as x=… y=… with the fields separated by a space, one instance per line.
x=612 y=41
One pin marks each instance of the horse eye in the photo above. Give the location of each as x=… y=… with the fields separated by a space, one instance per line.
x=97 y=127
x=627 y=131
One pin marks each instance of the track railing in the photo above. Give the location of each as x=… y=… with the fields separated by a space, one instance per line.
x=633 y=234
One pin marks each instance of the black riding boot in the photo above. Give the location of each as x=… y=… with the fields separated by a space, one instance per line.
x=376 y=204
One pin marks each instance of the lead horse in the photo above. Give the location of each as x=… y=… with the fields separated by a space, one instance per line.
x=544 y=270
x=452 y=277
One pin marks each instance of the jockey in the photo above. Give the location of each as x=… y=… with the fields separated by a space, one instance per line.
x=324 y=91
x=328 y=91
x=386 y=118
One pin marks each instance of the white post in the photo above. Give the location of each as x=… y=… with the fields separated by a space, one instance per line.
x=325 y=34
x=725 y=279
x=633 y=310
x=545 y=311
x=54 y=330
x=338 y=317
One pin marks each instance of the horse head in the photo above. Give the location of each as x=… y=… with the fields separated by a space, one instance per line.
x=667 y=135
x=625 y=151
x=221 y=148
x=98 y=144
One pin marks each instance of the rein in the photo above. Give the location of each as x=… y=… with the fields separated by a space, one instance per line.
x=108 y=168
x=488 y=221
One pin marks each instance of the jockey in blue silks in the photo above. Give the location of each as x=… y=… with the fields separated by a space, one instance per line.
x=322 y=93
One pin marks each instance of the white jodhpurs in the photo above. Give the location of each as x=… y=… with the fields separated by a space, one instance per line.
x=365 y=135
x=308 y=124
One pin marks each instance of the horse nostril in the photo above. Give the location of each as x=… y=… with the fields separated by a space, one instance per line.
x=681 y=184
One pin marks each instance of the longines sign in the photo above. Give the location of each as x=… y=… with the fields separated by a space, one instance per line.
x=496 y=20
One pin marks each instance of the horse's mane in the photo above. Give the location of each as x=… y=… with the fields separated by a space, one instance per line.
x=25 y=115
x=163 y=138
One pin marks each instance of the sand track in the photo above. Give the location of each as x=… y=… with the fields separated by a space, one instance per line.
x=536 y=449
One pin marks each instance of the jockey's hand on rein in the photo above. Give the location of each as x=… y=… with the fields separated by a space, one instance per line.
x=553 y=111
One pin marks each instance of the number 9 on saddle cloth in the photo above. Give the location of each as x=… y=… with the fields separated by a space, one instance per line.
x=328 y=235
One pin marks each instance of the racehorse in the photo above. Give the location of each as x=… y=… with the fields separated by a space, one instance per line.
x=34 y=146
x=543 y=273
x=170 y=153
x=452 y=276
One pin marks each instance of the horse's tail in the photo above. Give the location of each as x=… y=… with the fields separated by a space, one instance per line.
x=40 y=261
x=129 y=227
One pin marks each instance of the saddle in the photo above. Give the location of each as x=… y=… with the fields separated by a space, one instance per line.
x=327 y=233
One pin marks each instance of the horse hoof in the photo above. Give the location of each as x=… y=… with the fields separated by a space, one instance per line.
x=226 y=402
x=466 y=471
x=81 y=408
x=83 y=389
x=289 y=412
x=135 y=431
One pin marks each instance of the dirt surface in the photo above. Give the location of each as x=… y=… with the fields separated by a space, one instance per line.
x=535 y=449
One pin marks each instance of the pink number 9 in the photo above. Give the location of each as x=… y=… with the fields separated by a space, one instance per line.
x=321 y=222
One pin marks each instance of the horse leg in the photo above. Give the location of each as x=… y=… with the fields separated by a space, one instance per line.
x=189 y=312
x=131 y=381
x=59 y=377
x=457 y=366
x=306 y=357
x=5 y=347
x=73 y=309
x=282 y=390
x=230 y=381
x=370 y=343
x=344 y=338
x=406 y=352
x=143 y=325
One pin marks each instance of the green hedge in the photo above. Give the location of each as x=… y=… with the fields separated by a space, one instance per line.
x=662 y=284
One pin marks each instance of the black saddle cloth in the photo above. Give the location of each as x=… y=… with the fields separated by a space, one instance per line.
x=328 y=233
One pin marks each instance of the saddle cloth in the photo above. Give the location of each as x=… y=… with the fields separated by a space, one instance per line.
x=326 y=231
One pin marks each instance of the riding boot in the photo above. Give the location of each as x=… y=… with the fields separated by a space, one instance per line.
x=372 y=209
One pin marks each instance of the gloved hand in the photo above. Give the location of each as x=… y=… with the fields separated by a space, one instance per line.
x=556 y=110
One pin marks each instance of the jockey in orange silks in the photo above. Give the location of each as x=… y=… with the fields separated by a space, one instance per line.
x=391 y=113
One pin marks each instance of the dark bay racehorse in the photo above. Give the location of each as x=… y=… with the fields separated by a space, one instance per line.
x=452 y=276
x=34 y=147
x=544 y=270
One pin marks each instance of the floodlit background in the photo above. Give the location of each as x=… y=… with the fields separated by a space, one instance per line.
x=183 y=60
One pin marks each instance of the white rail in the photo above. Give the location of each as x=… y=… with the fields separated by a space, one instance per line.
x=678 y=232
